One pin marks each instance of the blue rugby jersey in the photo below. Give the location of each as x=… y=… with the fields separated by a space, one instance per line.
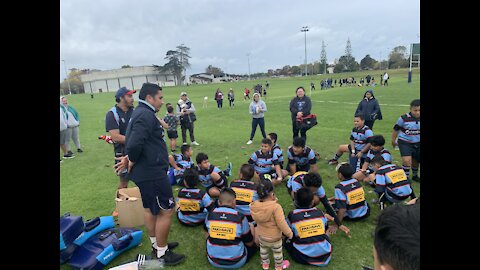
x=193 y=205
x=228 y=230
x=303 y=160
x=349 y=194
x=277 y=151
x=371 y=154
x=409 y=128
x=183 y=163
x=205 y=177
x=297 y=183
x=246 y=191
x=263 y=163
x=361 y=136
x=392 y=180
x=309 y=238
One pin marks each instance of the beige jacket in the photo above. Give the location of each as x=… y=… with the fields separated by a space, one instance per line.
x=270 y=220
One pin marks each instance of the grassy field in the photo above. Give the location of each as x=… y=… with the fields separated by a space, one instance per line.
x=88 y=184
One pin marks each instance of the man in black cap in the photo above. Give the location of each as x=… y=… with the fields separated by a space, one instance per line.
x=116 y=122
x=147 y=162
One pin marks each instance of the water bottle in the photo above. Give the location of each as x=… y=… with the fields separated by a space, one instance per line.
x=147 y=263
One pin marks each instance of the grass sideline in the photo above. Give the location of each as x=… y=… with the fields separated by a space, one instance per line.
x=88 y=185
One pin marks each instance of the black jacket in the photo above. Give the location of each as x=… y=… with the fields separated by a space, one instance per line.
x=370 y=109
x=145 y=145
x=303 y=105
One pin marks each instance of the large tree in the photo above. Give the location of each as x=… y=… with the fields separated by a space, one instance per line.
x=347 y=62
x=177 y=62
x=213 y=70
x=367 y=62
x=398 y=57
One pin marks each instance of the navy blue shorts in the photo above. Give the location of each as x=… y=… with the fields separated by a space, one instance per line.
x=156 y=195
x=409 y=149
x=172 y=134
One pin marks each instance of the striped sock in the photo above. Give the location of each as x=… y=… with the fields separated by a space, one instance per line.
x=407 y=170
x=336 y=157
x=414 y=171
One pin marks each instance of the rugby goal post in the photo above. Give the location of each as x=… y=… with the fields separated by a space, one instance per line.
x=414 y=58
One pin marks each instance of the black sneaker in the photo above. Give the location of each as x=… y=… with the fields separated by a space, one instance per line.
x=68 y=155
x=416 y=178
x=171 y=258
x=79 y=150
x=332 y=162
x=171 y=245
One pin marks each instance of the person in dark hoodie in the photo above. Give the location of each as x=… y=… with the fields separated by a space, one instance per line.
x=147 y=161
x=369 y=108
x=300 y=106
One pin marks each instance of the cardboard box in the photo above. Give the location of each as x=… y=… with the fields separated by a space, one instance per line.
x=126 y=266
x=129 y=207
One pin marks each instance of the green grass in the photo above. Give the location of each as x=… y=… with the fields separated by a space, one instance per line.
x=88 y=184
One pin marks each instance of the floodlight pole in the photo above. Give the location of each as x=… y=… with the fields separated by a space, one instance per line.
x=66 y=77
x=305 y=29
x=248 y=59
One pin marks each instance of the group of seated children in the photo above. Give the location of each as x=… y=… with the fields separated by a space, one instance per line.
x=247 y=216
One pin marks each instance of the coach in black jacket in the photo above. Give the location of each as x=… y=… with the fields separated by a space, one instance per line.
x=147 y=166
x=300 y=106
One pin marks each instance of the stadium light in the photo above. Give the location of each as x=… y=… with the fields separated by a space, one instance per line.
x=248 y=58
x=66 y=77
x=305 y=29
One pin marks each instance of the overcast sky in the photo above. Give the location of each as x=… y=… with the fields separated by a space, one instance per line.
x=106 y=34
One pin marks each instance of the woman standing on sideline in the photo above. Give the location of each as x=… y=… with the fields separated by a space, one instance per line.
x=231 y=98
x=219 y=98
x=300 y=106
x=256 y=109
x=369 y=108
x=73 y=122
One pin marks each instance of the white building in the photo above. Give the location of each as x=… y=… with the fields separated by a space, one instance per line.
x=132 y=78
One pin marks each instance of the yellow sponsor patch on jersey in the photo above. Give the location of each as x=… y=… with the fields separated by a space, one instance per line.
x=244 y=195
x=220 y=230
x=189 y=205
x=397 y=175
x=356 y=196
x=310 y=228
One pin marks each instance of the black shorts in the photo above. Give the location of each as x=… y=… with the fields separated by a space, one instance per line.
x=172 y=134
x=409 y=149
x=225 y=184
x=157 y=194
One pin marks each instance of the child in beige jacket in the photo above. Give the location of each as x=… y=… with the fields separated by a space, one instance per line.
x=271 y=223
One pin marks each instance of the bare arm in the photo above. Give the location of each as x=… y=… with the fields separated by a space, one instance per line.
x=172 y=162
x=116 y=136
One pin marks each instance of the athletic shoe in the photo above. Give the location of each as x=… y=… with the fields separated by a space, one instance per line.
x=70 y=152
x=397 y=148
x=68 y=156
x=228 y=171
x=171 y=245
x=249 y=142
x=171 y=258
x=184 y=143
x=416 y=178
x=285 y=264
x=332 y=162
x=194 y=143
x=79 y=150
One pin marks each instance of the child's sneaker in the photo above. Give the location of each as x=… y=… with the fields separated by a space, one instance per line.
x=228 y=171
x=332 y=162
x=285 y=264
x=265 y=266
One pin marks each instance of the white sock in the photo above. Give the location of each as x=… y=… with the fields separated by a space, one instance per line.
x=161 y=251
x=153 y=239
